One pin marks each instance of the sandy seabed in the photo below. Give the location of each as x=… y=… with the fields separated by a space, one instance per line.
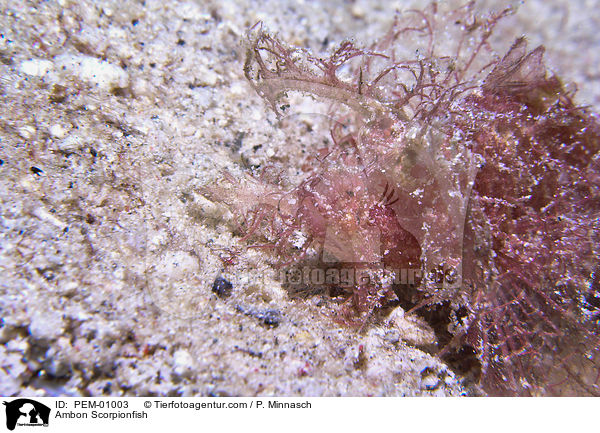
x=114 y=114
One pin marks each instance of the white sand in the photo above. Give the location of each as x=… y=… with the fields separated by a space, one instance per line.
x=107 y=255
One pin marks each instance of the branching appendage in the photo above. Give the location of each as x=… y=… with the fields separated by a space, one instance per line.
x=274 y=69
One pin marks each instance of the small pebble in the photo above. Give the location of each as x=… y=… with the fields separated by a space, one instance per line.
x=270 y=318
x=36 y=67
x=222 y=288
x=27 y=132
x=58 y=131
x=37 y=171
x=183 y=362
